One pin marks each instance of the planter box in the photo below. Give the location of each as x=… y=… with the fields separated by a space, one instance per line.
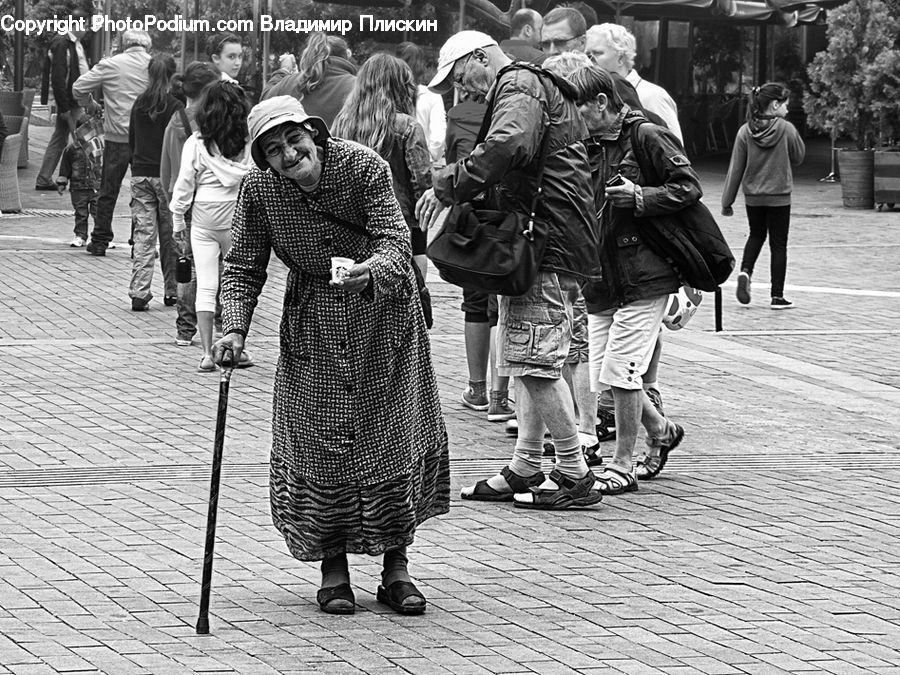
x=886 y=181
x=857 y=182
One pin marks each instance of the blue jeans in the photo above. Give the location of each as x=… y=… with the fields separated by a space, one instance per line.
x=116 y=158
x=85 y=204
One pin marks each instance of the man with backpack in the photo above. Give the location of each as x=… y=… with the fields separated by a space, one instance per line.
x=639 y=171
x=66 y=61
x=535 y=329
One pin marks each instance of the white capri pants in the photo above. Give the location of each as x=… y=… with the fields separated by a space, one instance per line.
x=210 y=239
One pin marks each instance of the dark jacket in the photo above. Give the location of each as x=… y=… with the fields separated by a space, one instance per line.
x=506 y=162
x=62 y=72
x=520 y=50
x=327 y=99
x=463 y=123
x=80 y=169
x=410 y=165
x=631 y=270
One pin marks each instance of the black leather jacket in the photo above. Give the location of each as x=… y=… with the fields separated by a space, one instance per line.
x=631 y=270
x=507 y=161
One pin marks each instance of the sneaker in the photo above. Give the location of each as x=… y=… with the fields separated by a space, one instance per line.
x=512 y=427
x=656 y=399
x=743 y=288
x=499 y=409
x=606 y=425
x=77 y=242
x=781 y=303
x=170 y=300
x=138 y=305
x=184 y=341
x=96 y=249
x=471 y=399
x=112 y=245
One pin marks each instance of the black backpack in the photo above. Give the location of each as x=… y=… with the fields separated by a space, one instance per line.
x=690 y=239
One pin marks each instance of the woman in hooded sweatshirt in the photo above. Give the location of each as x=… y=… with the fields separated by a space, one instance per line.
x=765 y=149
x=213 y=162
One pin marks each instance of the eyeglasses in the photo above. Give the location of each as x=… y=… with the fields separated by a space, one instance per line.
x=559 y=43
x=292 y=141
x=459 y=73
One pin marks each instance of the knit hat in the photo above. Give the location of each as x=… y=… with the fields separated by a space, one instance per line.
x=275 y=111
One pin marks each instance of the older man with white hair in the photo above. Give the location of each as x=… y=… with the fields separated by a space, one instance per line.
x=613 y=48
x=121 y=78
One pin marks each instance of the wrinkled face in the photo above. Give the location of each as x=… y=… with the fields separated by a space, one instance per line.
x=291 y=152
x=228 y=60
x=557 y=38
x=603 y=54
x=596 y=114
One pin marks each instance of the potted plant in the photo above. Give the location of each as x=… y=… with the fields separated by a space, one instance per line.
x=844 y=96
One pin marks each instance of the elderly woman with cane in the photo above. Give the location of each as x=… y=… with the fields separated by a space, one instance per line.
x=359 y=456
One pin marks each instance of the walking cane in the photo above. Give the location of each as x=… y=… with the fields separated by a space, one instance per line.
x=206 y=586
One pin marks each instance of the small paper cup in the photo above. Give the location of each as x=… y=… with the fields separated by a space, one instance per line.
x=339 y=267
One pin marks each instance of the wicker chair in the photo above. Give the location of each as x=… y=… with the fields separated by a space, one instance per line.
x=16 y=124
x=18 y=104
x=9 y=177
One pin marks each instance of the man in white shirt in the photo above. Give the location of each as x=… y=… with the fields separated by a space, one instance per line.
x=613 y=48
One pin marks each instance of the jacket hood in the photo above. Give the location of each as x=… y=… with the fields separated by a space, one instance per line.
x=229 y=172
x=335 y=65
x=766 y=132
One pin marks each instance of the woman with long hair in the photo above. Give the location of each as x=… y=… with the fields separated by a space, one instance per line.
x=213 y=162
x=379 y=114
x=765 y=149
x=150 y=217
x=226 y=53
x=430 y=112
x=325 y=75
x=196 y=77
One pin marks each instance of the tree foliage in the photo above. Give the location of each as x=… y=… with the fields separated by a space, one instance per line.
x=849 y=86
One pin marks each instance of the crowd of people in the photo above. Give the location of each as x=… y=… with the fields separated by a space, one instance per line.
x=359 y=163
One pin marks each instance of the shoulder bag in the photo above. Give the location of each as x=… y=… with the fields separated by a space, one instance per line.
x=490 y=251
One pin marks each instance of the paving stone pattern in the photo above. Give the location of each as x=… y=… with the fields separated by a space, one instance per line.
x=768 y=545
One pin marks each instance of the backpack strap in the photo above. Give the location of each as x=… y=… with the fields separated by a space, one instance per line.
x=185 y=122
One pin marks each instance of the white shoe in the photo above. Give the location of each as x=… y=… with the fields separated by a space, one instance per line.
x=112 y=244
x=77 y=242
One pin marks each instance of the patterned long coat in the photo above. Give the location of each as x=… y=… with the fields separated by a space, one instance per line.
x=359 y=454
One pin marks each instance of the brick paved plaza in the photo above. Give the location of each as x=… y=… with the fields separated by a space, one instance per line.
x=770 y=544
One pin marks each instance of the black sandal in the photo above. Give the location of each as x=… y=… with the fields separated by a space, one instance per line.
x=649 y=467
x=617 y=483
x=337 y=599
x=571 y=492
x=485 y=493
x=397 y=595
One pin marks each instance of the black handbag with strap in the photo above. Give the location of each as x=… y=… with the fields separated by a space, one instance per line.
x=690 y=239
x=491 y=251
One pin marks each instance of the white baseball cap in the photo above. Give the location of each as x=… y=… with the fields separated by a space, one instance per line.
x=462 y=44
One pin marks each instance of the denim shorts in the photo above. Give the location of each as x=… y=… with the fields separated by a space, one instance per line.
x=535 y=329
